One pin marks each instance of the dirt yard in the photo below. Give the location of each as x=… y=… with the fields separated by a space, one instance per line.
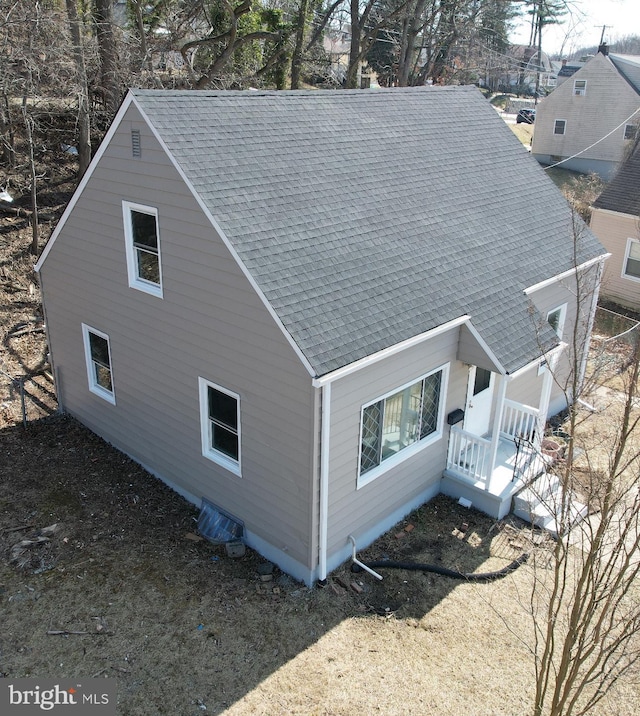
x=102 y=574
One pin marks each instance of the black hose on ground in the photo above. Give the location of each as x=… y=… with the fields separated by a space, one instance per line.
x=454 y=573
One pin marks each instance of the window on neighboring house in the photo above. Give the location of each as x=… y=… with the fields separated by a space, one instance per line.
x=97 y=353
x=630 y=131
x=143 y=247
x=408 y=417
x=631 y=266
x=556 y=319
x=220 y=425
x=580 y=88
x=559 y=126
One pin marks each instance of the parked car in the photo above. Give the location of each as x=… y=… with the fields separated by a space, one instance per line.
x=528 y=116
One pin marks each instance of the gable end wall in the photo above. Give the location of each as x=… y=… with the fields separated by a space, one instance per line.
x=210 y=323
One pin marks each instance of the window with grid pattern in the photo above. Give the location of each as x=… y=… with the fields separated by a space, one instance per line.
x=400 y=420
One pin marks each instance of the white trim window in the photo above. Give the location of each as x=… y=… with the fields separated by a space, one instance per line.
x=398 y=424
x=220 y=425
x=97 y=353
x=630 y=131
x=142 y=241
x=556 y=319
x=579 y=88
x=559 y=126
x=631 y=264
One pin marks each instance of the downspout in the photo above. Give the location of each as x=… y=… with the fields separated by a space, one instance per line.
x=324 y=480
x=495 y=433
x=590 y=322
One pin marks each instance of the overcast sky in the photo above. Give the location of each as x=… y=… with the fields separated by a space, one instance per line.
x=583 y=28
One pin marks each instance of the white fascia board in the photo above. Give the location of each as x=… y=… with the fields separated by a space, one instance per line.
x=535 y=363
x=390 y=351
x=226 y=241
x=565 y=274
x=87 y=175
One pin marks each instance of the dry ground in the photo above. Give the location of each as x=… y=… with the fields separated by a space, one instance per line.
x=123 y=589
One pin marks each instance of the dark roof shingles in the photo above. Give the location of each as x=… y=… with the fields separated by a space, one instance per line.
x=369 y=217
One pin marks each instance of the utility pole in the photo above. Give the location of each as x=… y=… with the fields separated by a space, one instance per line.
x=604 y=27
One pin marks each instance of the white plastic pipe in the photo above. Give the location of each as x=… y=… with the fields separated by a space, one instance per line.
x=358 y=562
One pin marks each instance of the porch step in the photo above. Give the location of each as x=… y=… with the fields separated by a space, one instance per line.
x=538 y=505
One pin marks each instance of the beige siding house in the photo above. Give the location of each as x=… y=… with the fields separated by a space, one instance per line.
x=615 y=219
x=589 y=121
x=309 y=309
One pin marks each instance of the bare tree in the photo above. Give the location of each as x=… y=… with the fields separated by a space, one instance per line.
x=84 y=122
x=585 y=598
x=108 y=53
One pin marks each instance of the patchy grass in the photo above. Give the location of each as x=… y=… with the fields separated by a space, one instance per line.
x=524 y=132
x=180 y=626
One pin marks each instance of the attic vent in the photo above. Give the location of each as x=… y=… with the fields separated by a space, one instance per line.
x=136 y=150
x=218 y=526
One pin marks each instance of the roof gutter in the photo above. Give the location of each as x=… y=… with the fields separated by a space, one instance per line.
x=387 y=352
x=566 y=274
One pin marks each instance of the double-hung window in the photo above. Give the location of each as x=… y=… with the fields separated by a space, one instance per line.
x=142 y=241
x=97 y=351
x=220 y=425
x=580 y=88
x=559 y=126
x=631 y=265
x=395 y=425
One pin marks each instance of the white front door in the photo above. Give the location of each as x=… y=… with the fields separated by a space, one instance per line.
x=477 y=417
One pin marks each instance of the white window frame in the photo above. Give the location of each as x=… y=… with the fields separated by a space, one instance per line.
x=409 y=451
x=564 y=127
x=135 y=280
x=630 y=277
x=94 y=386
x=562 y=311
x=208 y=451
x=579 y=91
x=634 y=131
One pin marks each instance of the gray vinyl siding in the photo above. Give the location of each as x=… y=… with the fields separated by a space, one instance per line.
x=526 y=388
x=471 y=352
x=356 y=511
x=614 y=230
x=577 y=292
x=210 y=323
x=609 y=99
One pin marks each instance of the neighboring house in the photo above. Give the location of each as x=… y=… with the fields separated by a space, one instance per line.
x=568 y=68
x=587 y=122
x=615 y=219
x=528 y=70
x=318 y=309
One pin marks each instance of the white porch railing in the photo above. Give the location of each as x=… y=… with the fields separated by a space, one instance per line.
x=519 y=421
x=469 y=455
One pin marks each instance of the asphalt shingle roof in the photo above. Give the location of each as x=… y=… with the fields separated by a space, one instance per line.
x=623 y=191
x=368 y=217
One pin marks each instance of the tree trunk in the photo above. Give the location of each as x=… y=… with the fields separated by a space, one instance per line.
x=28 y=126
x=107 y=51
x=84 y=121
x=296 y=60
x=354 y=50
